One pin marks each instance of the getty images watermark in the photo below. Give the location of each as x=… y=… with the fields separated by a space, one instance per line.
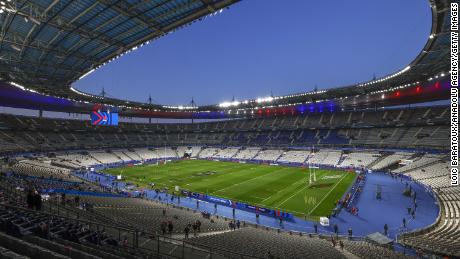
x=454 y=94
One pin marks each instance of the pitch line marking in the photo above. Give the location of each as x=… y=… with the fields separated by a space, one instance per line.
x=279 y=191
x=265 y=174
x=271 y=195
x=327 y=194
x=292 y=195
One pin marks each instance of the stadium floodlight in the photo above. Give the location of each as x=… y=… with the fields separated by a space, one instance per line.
x=86 y=74
x=387 y=77
x=266 y=99
x=431 y=36
x=18 y=85
x=228 y=104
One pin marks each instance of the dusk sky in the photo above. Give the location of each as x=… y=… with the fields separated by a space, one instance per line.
x=261 y=46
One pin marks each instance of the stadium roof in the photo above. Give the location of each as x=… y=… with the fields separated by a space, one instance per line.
x=48 y=44
x=45 y=45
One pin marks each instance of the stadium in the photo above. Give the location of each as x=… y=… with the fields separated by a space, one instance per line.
x=356 y=171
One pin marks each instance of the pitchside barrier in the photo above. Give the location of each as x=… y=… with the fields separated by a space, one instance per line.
x=239 y=205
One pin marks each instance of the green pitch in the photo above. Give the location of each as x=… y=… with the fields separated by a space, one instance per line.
x=276 y=187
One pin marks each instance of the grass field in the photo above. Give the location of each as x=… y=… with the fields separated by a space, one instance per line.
x=276 y=187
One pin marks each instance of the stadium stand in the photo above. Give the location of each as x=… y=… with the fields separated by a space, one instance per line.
x=325 y=157
x=247 y=153
x=193 y=151
x=105 y=157
x=257 y=242
x=65 y=137
x=149 y=216
x=208 y=152
x=426 y=168
x=294 y=156
x=53 y=204
x=390 y=160
x=270 y=155
x=166 y=152
x=359 y=159
x=442 y=236
x=430 y=171
x=367 y=250
x=76 y=160
x=39 y=169
x=226 y=153
x=145 y=153
x=418 y=162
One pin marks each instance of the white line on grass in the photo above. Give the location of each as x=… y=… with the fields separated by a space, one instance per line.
x=289 y=186
x=327 y=194
x=265 y=174
x=292 y=196
x=271 y=196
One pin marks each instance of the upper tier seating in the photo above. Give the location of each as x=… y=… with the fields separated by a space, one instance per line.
x=425 y=127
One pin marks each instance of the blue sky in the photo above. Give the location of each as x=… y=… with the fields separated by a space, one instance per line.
x=262 y=46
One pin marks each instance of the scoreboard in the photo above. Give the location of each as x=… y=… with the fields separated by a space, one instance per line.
x=104 y=118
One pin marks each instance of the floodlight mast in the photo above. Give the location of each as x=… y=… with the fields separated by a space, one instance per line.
x=150 y=107
x=193 y=106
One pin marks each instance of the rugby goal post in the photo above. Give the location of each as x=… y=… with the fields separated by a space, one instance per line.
x=312 y=171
